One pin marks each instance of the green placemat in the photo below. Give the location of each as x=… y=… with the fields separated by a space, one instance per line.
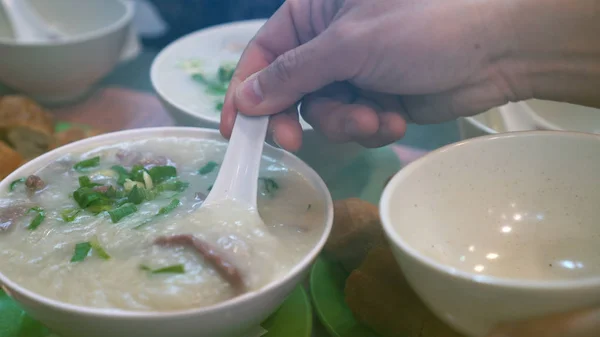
x=293 y=319
x=327 y=281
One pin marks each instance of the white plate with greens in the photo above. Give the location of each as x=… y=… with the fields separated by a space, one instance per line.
x=191 y=76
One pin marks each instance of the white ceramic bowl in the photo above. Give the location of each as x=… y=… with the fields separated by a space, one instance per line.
x=222 y=320
x=499 y=228
x=189 y=105
x=60 y=71
x=548 y=115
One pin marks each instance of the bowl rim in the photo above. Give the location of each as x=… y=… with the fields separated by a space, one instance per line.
x=168 y=132
x=396 y=239
x=125 y=19
x=158 y=62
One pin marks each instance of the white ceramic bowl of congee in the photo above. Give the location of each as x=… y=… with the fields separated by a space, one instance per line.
x=96 y=33
x=115 y=244
x=499 y=228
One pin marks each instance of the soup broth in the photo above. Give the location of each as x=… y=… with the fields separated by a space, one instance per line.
x=121 y=227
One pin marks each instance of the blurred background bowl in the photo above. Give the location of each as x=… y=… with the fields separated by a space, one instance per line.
x=548 y=115
x=190 y=105
x=61 y=71
x=487 y=123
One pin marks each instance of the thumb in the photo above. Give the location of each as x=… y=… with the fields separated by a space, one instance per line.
x=286 y=80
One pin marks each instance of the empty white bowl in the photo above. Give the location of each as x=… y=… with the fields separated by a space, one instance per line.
x=549 y=115
x=225 y=319
x=499 y=228
x=60 y=71
x=189 y=104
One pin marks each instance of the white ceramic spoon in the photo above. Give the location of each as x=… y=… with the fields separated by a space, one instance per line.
x=27 y=25
x=238 y=176
x=515 y=119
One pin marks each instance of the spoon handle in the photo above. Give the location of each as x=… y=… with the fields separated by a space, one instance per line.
x=238 y=176
x=26 y=24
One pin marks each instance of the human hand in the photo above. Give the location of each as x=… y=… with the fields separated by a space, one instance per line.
x=364 y=68
x=583 y=323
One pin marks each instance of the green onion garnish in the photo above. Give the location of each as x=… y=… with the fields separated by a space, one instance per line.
x=219 y=106
x=99 y=250
x=120 y=212
x=269 y=186
x=175 y=269
x=37 y=221
x=86 y=164
x=208 y=168
x=162 y=173
x=170 y=207
x=69 y=215
x=82 y=250
x=136 y=196
x=86 y=196
x=225 y=73
x=172 y=185
x=137 y=173
x=14 y=184
x=123 y=174
x=86 y=182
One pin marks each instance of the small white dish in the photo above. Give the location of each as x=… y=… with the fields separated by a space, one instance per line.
x=190 y=105
x=96 y=34
x=549 y=115
x=243 y=312
x=499 y=228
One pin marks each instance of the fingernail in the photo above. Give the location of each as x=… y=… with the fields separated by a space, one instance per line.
x=250 y=91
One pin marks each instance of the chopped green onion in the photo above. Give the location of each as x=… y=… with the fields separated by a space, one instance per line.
x=100 y=206
x=169 y=208
x=162 y=211
x=136 y=196
x=86 y=164
x=219 y=106
x=162 y=173
x=208 y=168
x=85 y=181
x=216 y=89
x=14 y=184
x=37 y=221
x=172 y=185
x=225 y=72
x=69 y=215
x=123 y=174
x=82 y=250
x=85 y=196
x=175 y=269
x=120 y=212
x=99 y=250
x=137 y=173
x=199 y=78
x=269 y=186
